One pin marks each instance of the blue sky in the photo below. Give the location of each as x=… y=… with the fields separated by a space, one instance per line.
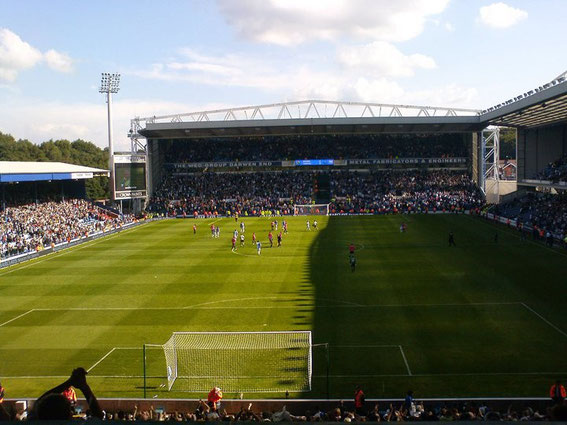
x=183 y=56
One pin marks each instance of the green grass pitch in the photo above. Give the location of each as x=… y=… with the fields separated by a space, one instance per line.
x=476 y=320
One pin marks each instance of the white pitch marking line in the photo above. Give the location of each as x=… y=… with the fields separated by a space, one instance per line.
x=364 y=346
x=324 y=376
x=262 y=298
x=203 y=306
x=17 y=317
x=129 y=348
x=544 y=319
x=446 y=374
x=344 y=302
x=234 y=300
x=103 y=357
x=405 y=360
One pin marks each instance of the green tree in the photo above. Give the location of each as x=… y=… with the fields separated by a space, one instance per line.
x=508 y=143
x=79 y=152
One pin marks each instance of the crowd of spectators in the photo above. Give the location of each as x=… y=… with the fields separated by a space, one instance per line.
x=316 y=147
x=351 y=192
x=403 y=192
x=544 y=212
x=36 y=226
x=224 y=193
x=344 y=412
x=555 y=171
x=56 y=405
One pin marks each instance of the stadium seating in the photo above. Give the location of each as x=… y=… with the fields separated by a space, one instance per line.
x=351 y=192
x=555 y=171
x=316 y=147
x=34 y=226
x=543 y=211
x=404 y=191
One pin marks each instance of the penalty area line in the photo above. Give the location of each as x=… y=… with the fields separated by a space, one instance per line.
x=544 y=319
x=17 y=317
x=101 y=359
x=405 y=359
x=109 y=353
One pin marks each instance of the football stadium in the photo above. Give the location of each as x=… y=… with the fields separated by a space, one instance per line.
x=364 y=253
x=297 y=261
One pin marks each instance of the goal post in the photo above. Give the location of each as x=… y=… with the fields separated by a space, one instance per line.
x=311 y=209
x=239 y=361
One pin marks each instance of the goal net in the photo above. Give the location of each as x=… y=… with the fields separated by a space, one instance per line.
x=311 y=209
x=239 y=361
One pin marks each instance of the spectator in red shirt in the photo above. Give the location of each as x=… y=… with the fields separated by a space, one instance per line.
x=70 y=395
x=214 y=398
x=359 y=399
x=557 y=392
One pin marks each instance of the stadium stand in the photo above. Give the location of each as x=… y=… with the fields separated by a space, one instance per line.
x=316 y=147
x=404 y=192
x=555 y=171
x=542 y=212
x=359 y=187
x=221 y=193
x=35 y=226
x=352 y=192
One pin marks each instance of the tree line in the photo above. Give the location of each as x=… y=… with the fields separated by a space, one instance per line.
x=79 y=152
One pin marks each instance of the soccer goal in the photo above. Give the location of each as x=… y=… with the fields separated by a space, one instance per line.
x=239 y=361
x=311 y=209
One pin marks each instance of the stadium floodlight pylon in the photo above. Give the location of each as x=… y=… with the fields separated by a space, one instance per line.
x=311 y=209
x=239 y=361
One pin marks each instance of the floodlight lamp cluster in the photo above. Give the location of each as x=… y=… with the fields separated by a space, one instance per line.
x=109 y=83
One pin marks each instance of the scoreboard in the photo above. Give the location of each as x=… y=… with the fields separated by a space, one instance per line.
x=130 y=176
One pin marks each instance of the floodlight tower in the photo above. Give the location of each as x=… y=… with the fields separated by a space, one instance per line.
x=109 y=84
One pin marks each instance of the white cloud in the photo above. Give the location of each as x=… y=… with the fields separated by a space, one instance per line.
x=361 y=73
x=382 y=59
x=58 y=61
x=449 y=27
x=289 y=22
x=448 y=95
x=374 y=60
x=500 y=15
x=233 y=70
x=383 y=90
x=15 y=55
x=378 y=90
